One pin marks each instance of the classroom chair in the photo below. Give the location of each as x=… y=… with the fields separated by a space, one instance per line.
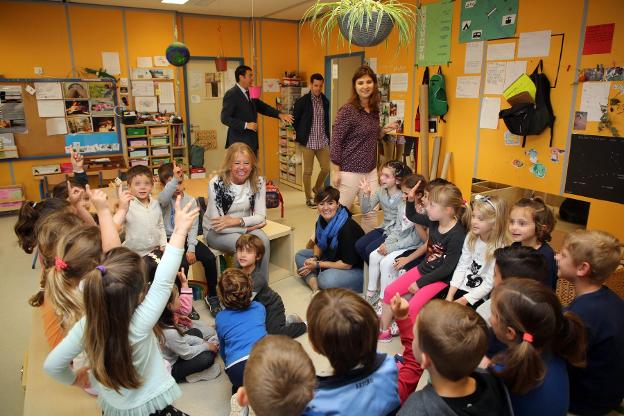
x=49 y=181
x=107 y=176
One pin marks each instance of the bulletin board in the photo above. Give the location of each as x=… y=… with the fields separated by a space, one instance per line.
x=34 y=142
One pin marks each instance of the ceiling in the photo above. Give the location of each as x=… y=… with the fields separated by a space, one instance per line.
x=276 y=9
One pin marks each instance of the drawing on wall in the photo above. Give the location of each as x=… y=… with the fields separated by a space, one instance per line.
x=487 y=19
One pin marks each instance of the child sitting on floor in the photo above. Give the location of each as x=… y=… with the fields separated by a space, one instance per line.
x=249 y=252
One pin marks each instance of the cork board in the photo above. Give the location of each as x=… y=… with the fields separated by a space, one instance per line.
x=35 y=143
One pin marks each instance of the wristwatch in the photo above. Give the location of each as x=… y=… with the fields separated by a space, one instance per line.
x=242 y=223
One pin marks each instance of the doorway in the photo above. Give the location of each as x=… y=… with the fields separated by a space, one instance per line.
x=204 y=89
x=339 y=70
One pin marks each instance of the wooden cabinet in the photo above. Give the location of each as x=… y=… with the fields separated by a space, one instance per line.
x=152 y=145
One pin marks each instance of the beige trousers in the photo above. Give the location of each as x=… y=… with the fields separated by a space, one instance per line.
x=350 y=189
x=322 y=155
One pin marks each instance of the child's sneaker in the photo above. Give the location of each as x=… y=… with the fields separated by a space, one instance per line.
x=210 y=373
x=378 y=307
x=394 y=329
x=372 y=297
x=193 y=315
x=384 y=336
x=214 y=306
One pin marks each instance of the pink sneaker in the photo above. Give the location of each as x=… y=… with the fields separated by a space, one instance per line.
x=384 y=336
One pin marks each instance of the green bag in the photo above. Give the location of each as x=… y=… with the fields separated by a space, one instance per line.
x=438 y=106
x=197 y=156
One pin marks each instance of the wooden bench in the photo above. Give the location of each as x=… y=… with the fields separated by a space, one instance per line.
x=44 y=395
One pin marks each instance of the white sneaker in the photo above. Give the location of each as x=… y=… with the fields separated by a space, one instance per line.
x=210 y=373
x=293 y=319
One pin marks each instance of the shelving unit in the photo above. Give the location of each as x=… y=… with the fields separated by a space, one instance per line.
x=152 y=145
x=290 y=158
x=11 y=197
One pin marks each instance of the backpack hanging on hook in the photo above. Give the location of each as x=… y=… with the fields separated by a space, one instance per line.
x=438 y=106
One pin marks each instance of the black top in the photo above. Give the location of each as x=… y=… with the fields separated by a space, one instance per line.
x=599 y=388
x=238 y=110
x=549 y=254
x=303 y=113
x=443 y=250
x=488 y=398
x=345 y=251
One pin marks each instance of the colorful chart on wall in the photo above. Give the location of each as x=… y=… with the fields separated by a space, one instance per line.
x=433 y=38
x=93 y=143
x=487 y=19
x=595 y=167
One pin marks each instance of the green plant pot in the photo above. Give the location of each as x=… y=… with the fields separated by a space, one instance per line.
x=365 y=35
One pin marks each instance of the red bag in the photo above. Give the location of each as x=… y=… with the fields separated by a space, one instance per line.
x=274 y=197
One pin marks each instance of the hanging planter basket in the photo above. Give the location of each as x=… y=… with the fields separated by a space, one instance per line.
x=367 y=33
x=221 y=64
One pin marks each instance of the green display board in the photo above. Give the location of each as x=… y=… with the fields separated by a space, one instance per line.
x=487 y=19
x=433 y=37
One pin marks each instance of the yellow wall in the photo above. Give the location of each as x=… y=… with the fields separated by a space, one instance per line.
x=282 y=46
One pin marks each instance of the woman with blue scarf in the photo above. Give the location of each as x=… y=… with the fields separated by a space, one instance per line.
x=333 y=262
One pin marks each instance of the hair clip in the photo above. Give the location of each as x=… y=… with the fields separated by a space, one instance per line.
x=101 y=268
x=484 y=198
x=59 y=264
x=34 y=204
x=527 y=337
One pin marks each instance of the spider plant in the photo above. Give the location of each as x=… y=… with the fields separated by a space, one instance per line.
x=360 y=15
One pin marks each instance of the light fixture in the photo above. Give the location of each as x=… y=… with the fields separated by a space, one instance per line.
x=174 y=1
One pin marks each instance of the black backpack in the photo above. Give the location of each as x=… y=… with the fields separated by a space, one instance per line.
x=532 y=119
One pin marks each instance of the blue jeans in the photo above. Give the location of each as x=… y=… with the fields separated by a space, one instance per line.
x=349 y=279
x=369 y=242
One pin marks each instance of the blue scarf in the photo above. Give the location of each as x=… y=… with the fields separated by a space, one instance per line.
x=329 y=233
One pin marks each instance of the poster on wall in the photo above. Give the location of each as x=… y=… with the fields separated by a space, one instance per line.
x=12 y=117
x=433 y=36
x=595 y=167
x=93 y=142
x=214 y=84
x=487 y=19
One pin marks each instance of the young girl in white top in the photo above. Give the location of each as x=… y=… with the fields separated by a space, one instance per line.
x=117 y=331
x=473 y=278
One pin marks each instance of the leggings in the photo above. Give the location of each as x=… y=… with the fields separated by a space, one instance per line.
x=369 y=242
x=182 y=368
x=424 y=294
x=208 y=260
x=235 y=374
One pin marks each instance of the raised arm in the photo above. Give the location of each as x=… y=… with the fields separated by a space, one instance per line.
x=108 y=230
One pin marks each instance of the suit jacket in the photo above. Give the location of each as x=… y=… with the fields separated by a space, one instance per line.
x=237 y=110
x=303 y=114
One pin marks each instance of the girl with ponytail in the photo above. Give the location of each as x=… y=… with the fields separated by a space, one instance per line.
x=117 y=330
x=540 y=339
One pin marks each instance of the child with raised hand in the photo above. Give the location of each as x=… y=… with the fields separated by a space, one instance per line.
x=527 y=317
x=117 y=331
x=279 y=379
x=446 y=237
x=473 y=278
x=140 y=214
x=249 y=252
x=449 y=341
x=531 y=222
x=587 y=259
x=239 y=325
x=172 y=178
x=191 y=358
x=343 y=327
x=388 y=197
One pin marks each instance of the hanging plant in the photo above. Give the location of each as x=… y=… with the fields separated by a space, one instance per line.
x=363 y=22
x=220 y=61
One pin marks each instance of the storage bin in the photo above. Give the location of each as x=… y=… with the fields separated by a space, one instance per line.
x=137 y=143
x=138 y=153
x=160 y=151
x=139 y=162
x=155 y=131
x=157 y=141
x=136 y=131
x=160 y=161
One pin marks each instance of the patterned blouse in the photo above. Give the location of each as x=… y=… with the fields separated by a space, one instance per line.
x=353 y=144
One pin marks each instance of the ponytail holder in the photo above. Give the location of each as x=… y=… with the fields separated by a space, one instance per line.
x=101 y=268
x=59 y=264
x=527 y=337
x=464 y=203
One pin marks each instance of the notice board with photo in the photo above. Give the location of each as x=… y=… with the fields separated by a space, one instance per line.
x=596 y=167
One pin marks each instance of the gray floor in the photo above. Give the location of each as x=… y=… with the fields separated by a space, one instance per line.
x=203 y=398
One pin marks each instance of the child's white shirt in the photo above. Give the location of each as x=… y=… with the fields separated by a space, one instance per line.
x=473 y=274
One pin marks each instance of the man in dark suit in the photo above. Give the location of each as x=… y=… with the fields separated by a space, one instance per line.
x=311 y=114
x=240 y=111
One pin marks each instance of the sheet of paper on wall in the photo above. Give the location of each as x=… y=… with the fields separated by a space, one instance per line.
x=495 y=78
x=160 y=60
x=594 y=95
x=598 y=39
x=398 y=82
x=144 y=62
x=195 y=99
x=51 y=108
x=110 y=63
x=48 y=91
x=168 y=108
x=372 y=63
x=501 y=51
x=534 y=44
x=143 y=88
x=270 y=85
x=468 y=87
x=490 y=107
x=12 y=117
x=140 y=73
x=196 y=81
x=146 y=104
x=165 y=92
x=8 y=150
x=474 y=58
x=513 y=71
x=56 y=125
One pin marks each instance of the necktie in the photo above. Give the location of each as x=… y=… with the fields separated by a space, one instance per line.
x=247 y=94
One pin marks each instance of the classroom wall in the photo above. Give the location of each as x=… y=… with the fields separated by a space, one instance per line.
x=284 y=45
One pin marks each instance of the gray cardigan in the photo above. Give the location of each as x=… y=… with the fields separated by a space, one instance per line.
x=166 y=201
x=399 y=238
x=388 y=204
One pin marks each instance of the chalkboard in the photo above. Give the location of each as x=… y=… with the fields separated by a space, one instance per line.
x=596 y=167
